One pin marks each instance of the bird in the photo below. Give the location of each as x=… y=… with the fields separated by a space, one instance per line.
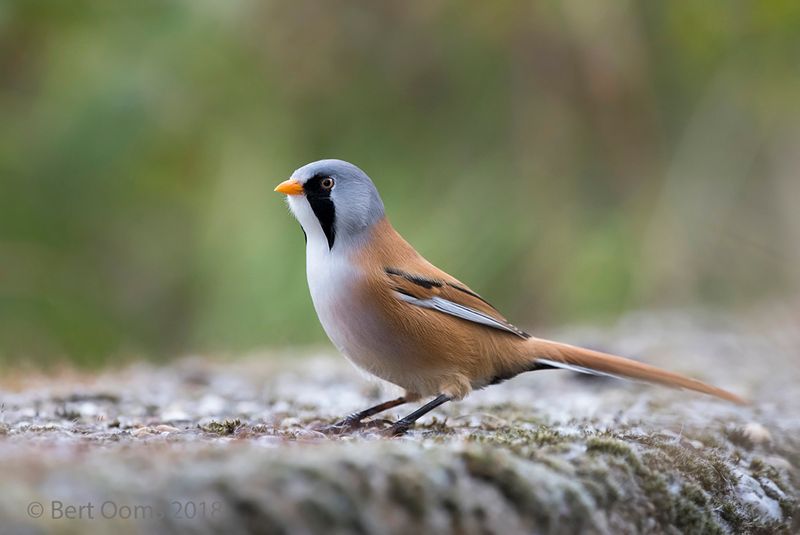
x=398 y=317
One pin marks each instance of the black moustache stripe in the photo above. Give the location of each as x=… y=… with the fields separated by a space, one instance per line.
x=323 y=207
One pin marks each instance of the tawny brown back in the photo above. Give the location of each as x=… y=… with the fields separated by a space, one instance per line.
x=428 y=352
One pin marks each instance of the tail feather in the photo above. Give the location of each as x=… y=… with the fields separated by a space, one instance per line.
x=574 y=358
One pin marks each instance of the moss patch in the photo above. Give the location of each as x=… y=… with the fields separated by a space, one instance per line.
x=227 y=427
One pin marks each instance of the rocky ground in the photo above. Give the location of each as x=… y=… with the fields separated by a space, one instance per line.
x=212 y=446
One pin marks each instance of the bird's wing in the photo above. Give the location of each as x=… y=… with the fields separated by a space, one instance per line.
x=431 y=288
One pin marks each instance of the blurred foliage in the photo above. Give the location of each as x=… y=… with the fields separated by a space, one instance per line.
x=569 y=159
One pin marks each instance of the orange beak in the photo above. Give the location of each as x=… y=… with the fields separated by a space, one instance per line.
x=290 y=187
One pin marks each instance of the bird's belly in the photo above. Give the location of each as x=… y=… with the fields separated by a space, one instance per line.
x=354 y=327
x=342 y=315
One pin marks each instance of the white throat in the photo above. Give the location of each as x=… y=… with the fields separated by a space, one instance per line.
x=330 y=273
x=302 y=211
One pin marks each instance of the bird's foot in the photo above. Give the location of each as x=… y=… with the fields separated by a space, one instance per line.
x=397 y=429
x=350 y=425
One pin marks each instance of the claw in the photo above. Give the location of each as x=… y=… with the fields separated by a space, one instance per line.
x=348 y=426
x=340 y=428
x=397 y=429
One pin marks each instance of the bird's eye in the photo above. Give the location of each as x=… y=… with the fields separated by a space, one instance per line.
x=327 y=183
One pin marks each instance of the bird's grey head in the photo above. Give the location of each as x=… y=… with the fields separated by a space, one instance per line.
x=333 y=200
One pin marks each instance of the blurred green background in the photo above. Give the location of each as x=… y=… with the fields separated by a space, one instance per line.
x=569 y=160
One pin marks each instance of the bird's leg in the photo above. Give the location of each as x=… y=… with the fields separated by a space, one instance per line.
x=403 y=425
x=354 y=420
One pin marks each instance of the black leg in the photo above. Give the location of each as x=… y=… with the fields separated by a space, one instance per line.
x=372 y=411
x=403 y=425
x=354 y=420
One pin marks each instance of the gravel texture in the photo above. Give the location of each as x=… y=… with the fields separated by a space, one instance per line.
x=212 y=445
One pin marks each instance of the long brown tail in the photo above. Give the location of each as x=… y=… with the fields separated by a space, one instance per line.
x=574 y=358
